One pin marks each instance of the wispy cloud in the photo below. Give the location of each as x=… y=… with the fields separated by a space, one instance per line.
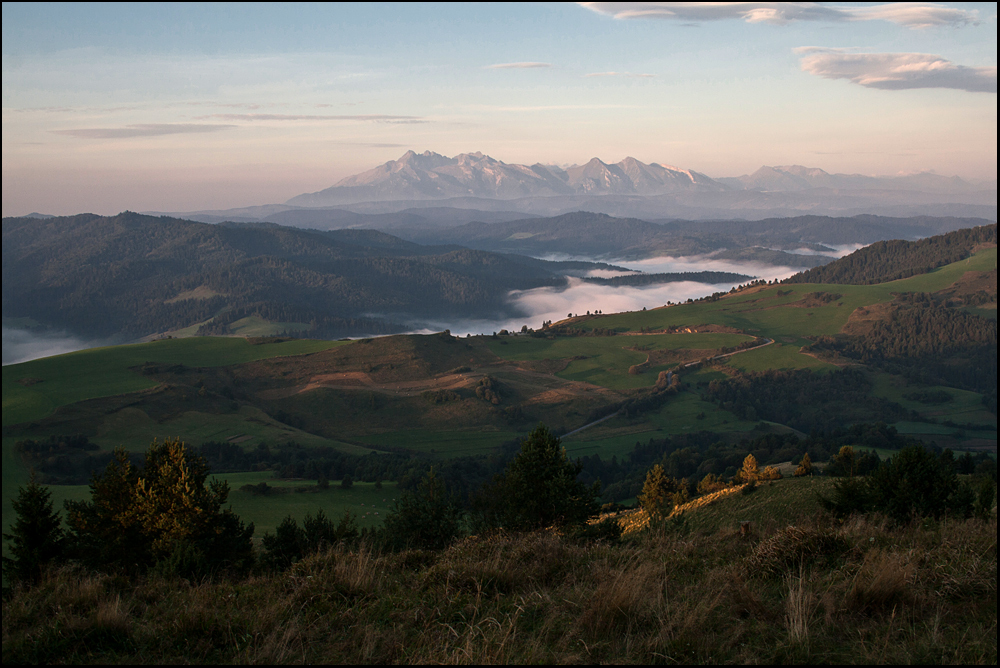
x=896 y=71
x=378 y=118
x=630 y=75
x=517 y=66
x=142 y=130
x=908 y=14
x=549 y=107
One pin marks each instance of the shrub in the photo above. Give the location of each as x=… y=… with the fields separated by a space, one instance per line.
x=914 y=482
x=427 y=518
x=805 y=467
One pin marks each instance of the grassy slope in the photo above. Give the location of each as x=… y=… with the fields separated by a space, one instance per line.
x=693 y=592
x=765 y=313
x=607 y=359
x=99 y=372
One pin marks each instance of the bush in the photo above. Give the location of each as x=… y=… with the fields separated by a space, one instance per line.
x=427 y=518
x=914 y=482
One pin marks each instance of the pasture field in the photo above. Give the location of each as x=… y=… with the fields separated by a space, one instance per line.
x=249 y=426
x=683 y=413
x=964 y=407
x=254 y=325
x=368 y=505
x=442 y=443
x=45 y=384
x=777 y=356
x=606 y=359
x=764 y=312
x=61 y=380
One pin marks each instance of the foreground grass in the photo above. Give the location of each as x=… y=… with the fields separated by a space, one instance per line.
x=818 y=591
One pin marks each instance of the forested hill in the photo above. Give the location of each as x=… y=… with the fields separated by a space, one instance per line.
x=132 y=275
x=891 y=260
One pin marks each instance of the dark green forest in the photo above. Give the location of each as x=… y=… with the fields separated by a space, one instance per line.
x=129 y=276
x=885 y=261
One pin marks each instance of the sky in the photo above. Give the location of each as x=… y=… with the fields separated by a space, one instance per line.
x=184 y=107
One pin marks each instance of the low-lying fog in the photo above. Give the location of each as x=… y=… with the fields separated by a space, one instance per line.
x=21 y=345
x=536 y=306
x=579 y=297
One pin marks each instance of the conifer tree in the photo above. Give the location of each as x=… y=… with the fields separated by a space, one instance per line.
x=36 y=538
x=538 y=489
x=750 y=471
x=655 y=492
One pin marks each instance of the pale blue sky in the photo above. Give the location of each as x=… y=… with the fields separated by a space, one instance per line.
x=184 y=107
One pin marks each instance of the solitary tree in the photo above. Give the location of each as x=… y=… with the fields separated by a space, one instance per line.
x=538 y=489
x=36 y=538
x=656 y=492
x=805 y=467
x=750 y=471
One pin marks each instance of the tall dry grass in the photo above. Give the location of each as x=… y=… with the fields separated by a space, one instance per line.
x=819 y=591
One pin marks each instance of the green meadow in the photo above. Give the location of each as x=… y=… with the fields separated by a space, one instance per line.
x=766 y=313
x=777 y=356
x=441 y=443
x=605 y=360
x=683 y=413
x=51 y=382
x=45 y=384
x=367 y=504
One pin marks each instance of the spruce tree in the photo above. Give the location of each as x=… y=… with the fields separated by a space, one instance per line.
x=36 y=538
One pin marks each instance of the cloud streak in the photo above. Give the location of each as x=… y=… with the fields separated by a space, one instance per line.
x=142 y=130
x=915 y=15
x=630 y=75
x=896 y=71
x=518 y=66
x=376 y=118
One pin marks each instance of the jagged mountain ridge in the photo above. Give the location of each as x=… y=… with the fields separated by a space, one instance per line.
x=429 y=175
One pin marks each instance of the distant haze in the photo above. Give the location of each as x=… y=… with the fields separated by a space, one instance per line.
x=22 y=345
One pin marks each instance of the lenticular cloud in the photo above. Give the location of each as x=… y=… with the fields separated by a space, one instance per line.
x=897 y=71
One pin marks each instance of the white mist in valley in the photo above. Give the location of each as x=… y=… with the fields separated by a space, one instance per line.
x=23 y=345
x=578 y=297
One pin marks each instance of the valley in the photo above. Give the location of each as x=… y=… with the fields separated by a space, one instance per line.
x=635 y=377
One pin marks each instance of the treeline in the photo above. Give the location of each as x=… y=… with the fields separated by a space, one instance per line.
x=121 y=276
x=652 y=279
x=927 y=343
x=891 y=260
x=802 y=399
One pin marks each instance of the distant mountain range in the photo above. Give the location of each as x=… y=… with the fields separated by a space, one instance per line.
x=431 y=176
x=436 y=191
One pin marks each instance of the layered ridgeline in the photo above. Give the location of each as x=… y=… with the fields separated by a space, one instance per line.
x=800 y=241
x=918 y=354
x=130 y=276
